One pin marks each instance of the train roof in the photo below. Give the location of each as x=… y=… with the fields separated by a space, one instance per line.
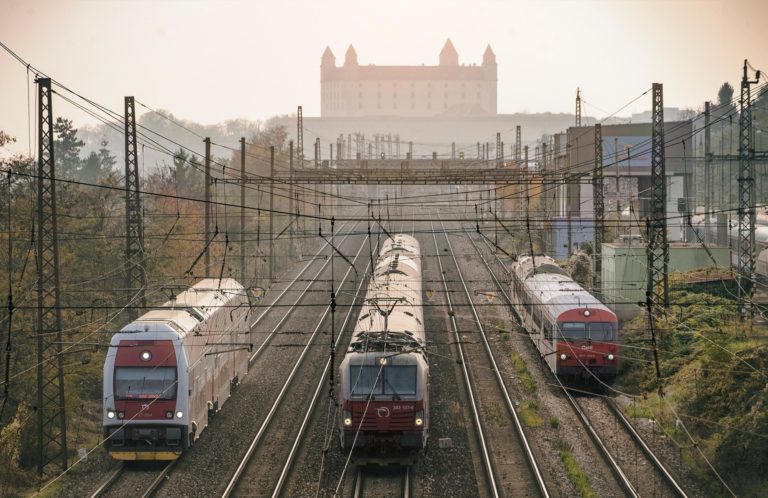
x=391 y=318
x=559 y=293
x=181 y=315
x=541 y=263
x=402 y=242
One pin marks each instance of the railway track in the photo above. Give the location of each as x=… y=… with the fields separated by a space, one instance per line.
x=280 y=421
x=603 y=420
x=124 y=481
x=368 y=483
x=640 y=472
x=510 y=465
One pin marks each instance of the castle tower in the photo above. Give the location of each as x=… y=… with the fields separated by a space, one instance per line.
x=350 y=59
x=448 y=55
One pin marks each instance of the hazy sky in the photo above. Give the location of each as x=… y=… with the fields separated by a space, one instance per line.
x=209 y=60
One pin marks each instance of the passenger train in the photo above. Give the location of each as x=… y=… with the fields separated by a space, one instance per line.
x=576 y=335
x=167 y=373
x=384 y=375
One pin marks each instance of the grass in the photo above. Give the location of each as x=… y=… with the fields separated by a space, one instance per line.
x=576 y=475
x=554 y=423
x=522 y=372
x=529 y=413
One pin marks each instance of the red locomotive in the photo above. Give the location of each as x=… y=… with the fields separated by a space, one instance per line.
x=385 y=375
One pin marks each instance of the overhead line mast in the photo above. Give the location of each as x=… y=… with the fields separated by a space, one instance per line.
x=51 y=407
x=136 y=276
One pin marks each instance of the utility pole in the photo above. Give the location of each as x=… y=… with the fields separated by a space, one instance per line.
x=207 y=141
x=598 y=209
x=657 y=250
x=290 y=197
x=51 y=407
x=707 y=171
x=242 y=210
x=518 y=144
x=578 y=107
x=271 y=214
x=410 y=149
x=300 y=137
x=499 y=149
x=453 y=151
x=317 y=152
x=746 y=209
x=136 y=277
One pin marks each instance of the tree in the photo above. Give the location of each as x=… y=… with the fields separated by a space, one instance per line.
x=580 y=268
x=66 y=148
x=725 y=95
x=106 y=160
x=188 y=173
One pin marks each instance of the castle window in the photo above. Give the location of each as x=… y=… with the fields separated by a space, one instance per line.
x=379 y=94
x=411 y=94
x=394 y=95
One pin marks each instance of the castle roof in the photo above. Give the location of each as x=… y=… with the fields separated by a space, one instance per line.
x=448 y=49
x=351 y=56
x=328 y=55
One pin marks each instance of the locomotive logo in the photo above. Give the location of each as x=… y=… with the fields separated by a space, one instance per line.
x=382 y=411
x=144 y=407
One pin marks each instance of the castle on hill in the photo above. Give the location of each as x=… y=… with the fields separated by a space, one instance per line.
x=448 y=89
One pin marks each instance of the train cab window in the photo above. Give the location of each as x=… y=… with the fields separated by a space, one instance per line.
x=400 y=379
x=601 y=331
x=365 y=380
x=395 y=380
x=145 y=383
x=573 y=331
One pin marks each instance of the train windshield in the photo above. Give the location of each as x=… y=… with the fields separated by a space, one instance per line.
x=395 y=380
x=581 y=331
x=145 y=383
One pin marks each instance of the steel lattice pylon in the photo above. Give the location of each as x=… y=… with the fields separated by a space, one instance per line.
x=136 y=276
x=658 y=248
x=518 y=144
x=598 y=206
x=578 y=107
x=746 y=209
x=300 y=137
x=51 y=409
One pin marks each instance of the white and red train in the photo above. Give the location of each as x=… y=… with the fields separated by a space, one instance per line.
x=576 y=335
x=384 y=375
x=168 y=372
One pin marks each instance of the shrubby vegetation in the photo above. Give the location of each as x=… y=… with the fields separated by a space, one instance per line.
x=714 y=385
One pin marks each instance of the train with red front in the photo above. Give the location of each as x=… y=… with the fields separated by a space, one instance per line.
x=576 y=334
x=167 y=373
x=384 y=376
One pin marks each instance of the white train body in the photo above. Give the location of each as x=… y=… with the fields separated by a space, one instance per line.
x=168 y=372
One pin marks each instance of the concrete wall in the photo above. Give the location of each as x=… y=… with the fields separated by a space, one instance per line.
x=625 y=271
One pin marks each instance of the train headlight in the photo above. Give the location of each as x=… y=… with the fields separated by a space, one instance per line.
x=168 y=414
x=121 y=415
x=383 y=360
x=419 y=420
x=610 y=357
x=179 y=414
x=587 y=312
x=110 y=414
x=347 y=418
x=145 y=356
x=563 y=356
